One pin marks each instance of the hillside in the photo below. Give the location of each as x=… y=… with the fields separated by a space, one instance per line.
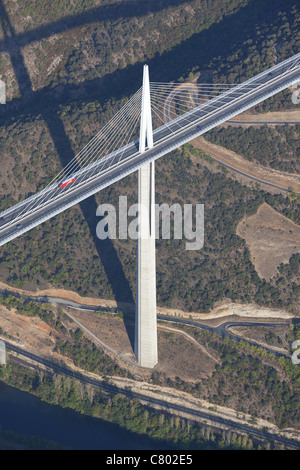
x=68 y=68
x=66 y=76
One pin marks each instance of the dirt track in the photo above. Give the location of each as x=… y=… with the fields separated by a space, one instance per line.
x=275 y=116
x=284 y=180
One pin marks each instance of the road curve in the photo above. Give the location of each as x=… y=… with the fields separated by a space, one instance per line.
x=35 y=210
x=172 y=407
x=221 y=330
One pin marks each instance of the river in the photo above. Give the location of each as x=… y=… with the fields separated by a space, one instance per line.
x=24 y=413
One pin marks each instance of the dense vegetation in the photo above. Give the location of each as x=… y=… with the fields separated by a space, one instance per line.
x=221 y=269
x=68 y=68
x=64 y=109
x=129 y=414
x=249 y=379
x=191 y=280
x=276 y=148
x=96 y=40
x=98 y=54
x=28 y=307
x=71 y=342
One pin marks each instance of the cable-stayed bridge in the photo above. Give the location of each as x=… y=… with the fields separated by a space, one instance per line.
x=181 y=112
x=108 y=157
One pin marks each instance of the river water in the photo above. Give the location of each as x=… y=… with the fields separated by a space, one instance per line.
x=26 y=414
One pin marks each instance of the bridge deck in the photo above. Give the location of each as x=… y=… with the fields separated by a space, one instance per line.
x=27 y=214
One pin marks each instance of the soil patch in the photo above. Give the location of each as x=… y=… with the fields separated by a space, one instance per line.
x=269 y=118
x=272 y=239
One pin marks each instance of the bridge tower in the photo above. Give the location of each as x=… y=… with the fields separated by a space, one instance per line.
x=145 y=341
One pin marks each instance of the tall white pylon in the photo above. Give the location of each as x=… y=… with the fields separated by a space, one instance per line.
x=145 y=341
x=146 y=118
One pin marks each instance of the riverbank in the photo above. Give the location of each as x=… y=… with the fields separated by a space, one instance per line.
x=47 y=426
x=77 y=415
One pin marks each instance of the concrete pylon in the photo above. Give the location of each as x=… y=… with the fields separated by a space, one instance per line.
x=145 y=341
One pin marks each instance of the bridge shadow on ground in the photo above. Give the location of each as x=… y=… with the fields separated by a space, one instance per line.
x=105 y=248
x=112 y=12
x=198 y=50
x=218 y=40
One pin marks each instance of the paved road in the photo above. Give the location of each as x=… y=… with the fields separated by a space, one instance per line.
x=250 y=176
x=258 y=180
x=35 y=210
x=221 y=330
x=112 y=389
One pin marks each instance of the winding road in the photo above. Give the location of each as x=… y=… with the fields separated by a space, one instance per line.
x=169 y=406
x=189 y=87
x=222 y=330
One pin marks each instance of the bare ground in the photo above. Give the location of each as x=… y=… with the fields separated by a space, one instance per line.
x=27 y=331
x=274 y=116
x=272 y=239
x=179 y=355
x=185 y=399
x=279 y=178
x=220 y=311
x=238 y=162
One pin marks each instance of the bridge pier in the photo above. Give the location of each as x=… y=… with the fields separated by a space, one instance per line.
x=145 y=341
x=145 y=319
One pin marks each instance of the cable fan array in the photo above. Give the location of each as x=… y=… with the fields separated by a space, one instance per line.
x=172 y=105
x=170 y=100
x=105 y=149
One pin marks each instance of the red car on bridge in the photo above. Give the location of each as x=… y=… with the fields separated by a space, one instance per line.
x=66 y=182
